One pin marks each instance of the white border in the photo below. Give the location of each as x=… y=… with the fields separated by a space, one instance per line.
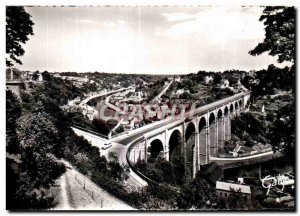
x=3 y=3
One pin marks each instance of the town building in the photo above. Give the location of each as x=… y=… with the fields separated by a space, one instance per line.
x=225 y=190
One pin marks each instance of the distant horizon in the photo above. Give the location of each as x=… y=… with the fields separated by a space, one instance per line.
x=145 y=40
x=130 y=73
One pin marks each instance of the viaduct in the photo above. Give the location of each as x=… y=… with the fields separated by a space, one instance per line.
x=192 y=140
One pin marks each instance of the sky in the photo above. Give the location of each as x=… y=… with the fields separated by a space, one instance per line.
x=157 y=40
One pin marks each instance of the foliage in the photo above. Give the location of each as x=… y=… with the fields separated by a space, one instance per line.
x=77 y=118
x=18 y=28
x=46 y=76
x=198 y=193
x=236 y=201
x=270 y=81
x=118 y=172
x=162 y=171
x=249 y=124
x=58 y=90
x=19 y=194
x=100 y=126
x=36 y=131
x=185 y=95
x=153 y=89
x=217 y=78
x=280 y=40
x=38 y=169
x=280 y=33
x=43 y=135
x=282 y=132
x=13 y=113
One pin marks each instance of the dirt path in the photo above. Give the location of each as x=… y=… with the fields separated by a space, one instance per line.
x=77 y=192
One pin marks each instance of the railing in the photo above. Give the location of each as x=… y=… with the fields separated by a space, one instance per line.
x=219 y=103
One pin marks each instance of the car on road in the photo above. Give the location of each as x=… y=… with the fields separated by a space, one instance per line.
x=106 y=146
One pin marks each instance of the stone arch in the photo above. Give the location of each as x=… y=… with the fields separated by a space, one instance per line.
x=213 y=133
x=226 y=110
x=240 y=103
x=175 y=146
x=231 y=109
x=212 y=118
x=202 y=123
x=220 y=130
x=219 y=114
x=156 y=148
x=202 y=140
x=189 y=131
x=190 y=148
x=236 y=105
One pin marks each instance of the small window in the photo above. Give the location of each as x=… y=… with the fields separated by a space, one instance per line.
x=221 y=193
x=225 y=194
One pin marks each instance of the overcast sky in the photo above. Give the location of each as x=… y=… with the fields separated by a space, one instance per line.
x=168 y=40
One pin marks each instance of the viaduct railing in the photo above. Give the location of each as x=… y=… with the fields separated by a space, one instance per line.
x=215 y=105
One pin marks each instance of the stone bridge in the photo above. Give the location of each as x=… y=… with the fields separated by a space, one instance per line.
x=191 y=140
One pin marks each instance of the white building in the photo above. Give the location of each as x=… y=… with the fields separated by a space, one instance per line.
x=224 y=83
x=208 y=79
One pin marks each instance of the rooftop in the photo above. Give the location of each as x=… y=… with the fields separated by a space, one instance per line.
x=226 y=186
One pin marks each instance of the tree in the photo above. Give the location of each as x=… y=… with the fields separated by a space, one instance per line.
x=100 y=126
x=217 y=79
x=13 y=113
x=280 y=40
x=280 y=33
x=46 y=75
x=117 y=171
x=35 y=75
x=282 y=132
x=18 y=28
x=38 y=168
x=36 y=131
x=198 y=193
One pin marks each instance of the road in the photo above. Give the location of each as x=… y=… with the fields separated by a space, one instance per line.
x=162 y=92
x=126 y=139
x=117 y=109
x=102 y=94
x=211 y=158
x=254 y=159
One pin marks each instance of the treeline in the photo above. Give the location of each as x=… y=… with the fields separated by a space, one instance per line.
x=270 y=81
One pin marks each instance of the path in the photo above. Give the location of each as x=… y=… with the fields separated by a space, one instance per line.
x=162 y=92
x=77 y=192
